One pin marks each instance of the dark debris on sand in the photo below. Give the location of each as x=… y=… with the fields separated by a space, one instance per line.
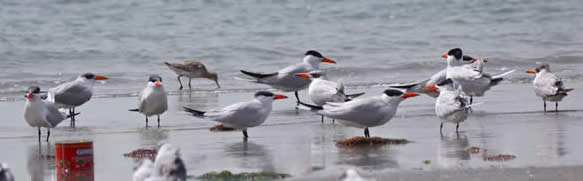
x=475 y=150
x=228 y=176
x=361 y=141
x=499 y=157
x=221 y=127
x=142 y=153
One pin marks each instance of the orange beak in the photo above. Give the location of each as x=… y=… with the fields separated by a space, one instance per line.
x=444 y=56
x=304 y=75
x=531 y=71
x=409 y=94
x=100 y=77
x=431 y=88
x=158 y=83
x=30 y=95
x=279 y=96
x=328 y=60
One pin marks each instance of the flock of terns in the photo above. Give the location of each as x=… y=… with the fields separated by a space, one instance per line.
x=454 y=87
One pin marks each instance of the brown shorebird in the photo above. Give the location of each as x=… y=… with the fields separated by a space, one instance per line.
x=192 y=69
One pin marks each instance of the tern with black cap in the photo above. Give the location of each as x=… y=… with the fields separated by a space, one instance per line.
x=548 y=85
x=153 y=99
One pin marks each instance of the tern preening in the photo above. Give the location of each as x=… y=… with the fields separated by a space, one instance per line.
x=168 y=166
x=473 y=81
x=322 y=90
x=451 y=105
x=192 y=69
x=40 y=113
x=75 y=93
x=286 y=79
x=364 y=112
x=419 y=86
x=242 y=115
x=547 y=85
x=153 y=99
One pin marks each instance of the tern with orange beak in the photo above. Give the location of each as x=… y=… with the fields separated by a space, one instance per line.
x=242 y=115
x=286 y=79
x=75 y=93
x=547 y=85
x=153 y=99
x=451 y=105
x=364 y=112
x=473 y=81
x=40 y=113
x=322 y=90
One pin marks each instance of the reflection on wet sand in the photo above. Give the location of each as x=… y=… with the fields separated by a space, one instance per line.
x=152 y=137
x=251 y=155
x=40 y=164
x=452 y=151
x=207 y=100
x=374 y=157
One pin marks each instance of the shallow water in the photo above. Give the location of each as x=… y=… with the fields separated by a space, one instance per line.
x=375 y=43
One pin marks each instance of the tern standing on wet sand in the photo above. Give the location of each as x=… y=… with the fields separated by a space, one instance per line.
x=153 y=99
x=40 y=113
x=451 y=105
x=192 y=69
x=75 y=93
x=548 y=85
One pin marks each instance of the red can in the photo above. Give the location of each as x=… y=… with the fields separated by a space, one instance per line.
x=74 y=157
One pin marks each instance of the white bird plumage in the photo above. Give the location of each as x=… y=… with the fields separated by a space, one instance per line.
x=41 y=113
x=168 y=166
x=547 y=85
x=153 y=99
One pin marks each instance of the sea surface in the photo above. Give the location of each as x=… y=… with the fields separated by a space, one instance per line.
x=375 y=43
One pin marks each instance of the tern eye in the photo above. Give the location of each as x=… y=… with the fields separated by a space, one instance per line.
x=537 y=70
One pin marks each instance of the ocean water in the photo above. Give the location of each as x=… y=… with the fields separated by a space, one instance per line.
x=375 y=42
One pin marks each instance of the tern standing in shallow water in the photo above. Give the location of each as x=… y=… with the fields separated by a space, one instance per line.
x=75 y=93
x=192 y=69
x=451 y=105
x=322 y=90
x=286 y=79
x=548 y=85
x=242 y=115
x=40 y=113
x=153 y=99
x=365 y=112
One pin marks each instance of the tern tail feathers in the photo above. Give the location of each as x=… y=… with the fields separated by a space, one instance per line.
x=134 y=110
x=74 y=114
x=352 y=96
x=195 y=113
x=564 y=91
x=258 y=75
x=409 y=85
x=468 y=107
x=503 y=74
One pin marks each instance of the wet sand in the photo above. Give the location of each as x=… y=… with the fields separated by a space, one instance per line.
x=510 y=121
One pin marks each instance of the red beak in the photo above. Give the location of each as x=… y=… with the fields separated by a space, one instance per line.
x=409 y=94
x=444 y=56
x=431 y=88
x=304 y=75
x=328 y=60
x=30 y=95
x=158 y=83
x=279 y=96
x=100 y=77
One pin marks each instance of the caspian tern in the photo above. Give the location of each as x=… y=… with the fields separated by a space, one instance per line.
x=322 y=90
x=451 y=105
x=75 y=93
x=242 y=115
x=548 y=85
x=192 y=69
x=365 y=112
x=168 y=166
x=472 y=81
x=40 y=113
x=286 y=79
x=5 y=173
x=153 y=99
x=419 y=87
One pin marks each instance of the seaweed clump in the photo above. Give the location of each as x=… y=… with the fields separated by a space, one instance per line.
x=221 y=127
x=142 y=153
x=228 y=176
x=500 y=157
x=359 y=141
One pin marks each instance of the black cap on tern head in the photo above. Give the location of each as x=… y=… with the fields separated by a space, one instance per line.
x=393 y=92
x=34 y=89
x=314 y=53
x=445 y=82
x=456 y=52
x=88 y=75
x=264 y=93
x=540 y=66
x=154 y=78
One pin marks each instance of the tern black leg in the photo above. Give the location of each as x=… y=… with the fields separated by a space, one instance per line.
x=333 y=121
x=440 y=127
x=322 y=119
x=189 y=80
x=297 y=98
x=545 y=105
x=39 y=135
x=245 y=133
x=158 y=121
x=556 y=106
x=471 y=99
x=457 y=127
x=366 y=133
x=146 y=121
x=48 y=134
x=179 y=82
